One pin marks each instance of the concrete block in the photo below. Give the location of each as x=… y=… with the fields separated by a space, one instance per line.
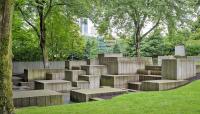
x=55 y=85
x=93 y=62
x=94 y=80
x=178 y=69
x=81 y=84
x=149 y=77
x=118 y=81
x=70 y=64
x=55 y=76
x=94 y=69
x=72 y=75
x=134 y=85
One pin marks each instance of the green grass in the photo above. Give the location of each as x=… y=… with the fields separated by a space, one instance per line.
x=185 y=100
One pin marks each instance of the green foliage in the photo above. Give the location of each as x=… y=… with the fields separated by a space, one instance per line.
x=91 y=50
x=116 y=49
x=153 y=45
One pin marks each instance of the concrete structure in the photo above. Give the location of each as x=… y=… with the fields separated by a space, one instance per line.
x=55 y=76
x=18 y=67
x=81 y=84
x=118 y=81
x=94 y=69
x=94 y=80
x=149 y=77
x=157 y=85
x=72 y=75
x=178 y=69
x=31 y=85
x=36 y=98
x=93 y=62
x=85 y=94
x=122 y=65
x=134 y=85
x=55 y=85
x=39 y=74
x=77 y=64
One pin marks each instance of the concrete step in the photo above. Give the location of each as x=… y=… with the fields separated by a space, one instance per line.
x=118 y=81
x=94 y=80
x=153 y=67
x=148 y=72
x=134 y=85
x=93 y=62
x=72 y=75
x=20 y=88
x=96 y=99
x=149 y=77
x=55 y=85
x=55 y=76
x=16 y=80
x=70 y=64
x=157 y=85
x=31 y=85
x=94 y=69
x=85 y=95
x=81 y=84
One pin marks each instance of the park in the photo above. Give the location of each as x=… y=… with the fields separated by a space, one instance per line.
x=99 y=57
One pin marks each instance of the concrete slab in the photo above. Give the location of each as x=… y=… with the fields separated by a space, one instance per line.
x=149 y=77
x=118 y=81
x=55 y=85
x=157 y=85
x=85 y=94
x=81 y=84
x=36 y=98
x=148 y=72
x=55 y=76
x=134 y=85
x=70 y=64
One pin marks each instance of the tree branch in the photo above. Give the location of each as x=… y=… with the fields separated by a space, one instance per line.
x=29 y=23
x=157 y=23
x=49 y=9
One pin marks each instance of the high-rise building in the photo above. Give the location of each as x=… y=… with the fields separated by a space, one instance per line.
x=87 y=27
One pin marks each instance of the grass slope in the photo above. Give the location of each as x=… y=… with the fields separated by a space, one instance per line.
x=185 y=100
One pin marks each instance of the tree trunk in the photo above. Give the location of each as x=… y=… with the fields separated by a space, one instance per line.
x=137 y=44
x=43 y=37
x=6 y=102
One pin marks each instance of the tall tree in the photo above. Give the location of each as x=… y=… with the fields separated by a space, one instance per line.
x=133 y=16
x=6 y=103
x=36 y=12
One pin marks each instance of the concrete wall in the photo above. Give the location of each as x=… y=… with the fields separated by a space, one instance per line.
x=18 y=67
x=160 y=58
x=178 y=69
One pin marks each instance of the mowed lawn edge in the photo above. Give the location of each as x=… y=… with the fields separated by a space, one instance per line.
x=184 y=100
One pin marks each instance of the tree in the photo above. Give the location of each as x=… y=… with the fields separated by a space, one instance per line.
x=6 y=103
x=35 y=13
x=132 y=16
x=116 y=49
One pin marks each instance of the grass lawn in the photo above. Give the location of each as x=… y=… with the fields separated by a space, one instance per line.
x=185 y=100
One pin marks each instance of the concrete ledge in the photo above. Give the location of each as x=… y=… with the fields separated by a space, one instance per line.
x=150 y=77
x=148 y=72
x=55 y=76
x=70 y=64
x=36 y=98
x=118 y=81
x=85 y=95
x=55 y=85
x=81 y=84
x=157 y=85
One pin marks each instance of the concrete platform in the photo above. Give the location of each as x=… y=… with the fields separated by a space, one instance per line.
x=94 y=69
x=36 y=98
x=85 y=95
x=81 y=84
x=134 y=85
x=118 y=81
x=150 y=77
x=72 y=75
x=94 y=80
x=55 y=85
x=157 y=85
x=93 y=62
x=20 y=88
